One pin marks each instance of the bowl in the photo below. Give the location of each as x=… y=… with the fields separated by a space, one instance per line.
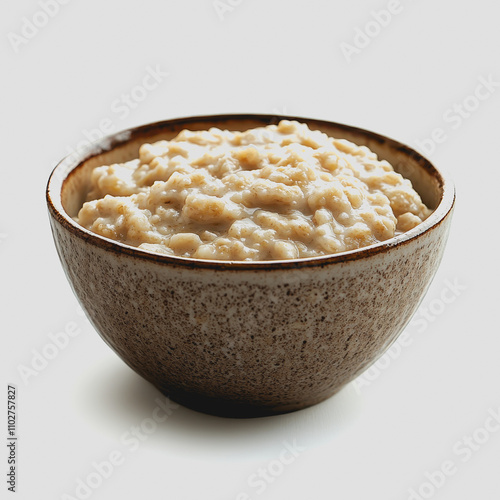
x=247 y=339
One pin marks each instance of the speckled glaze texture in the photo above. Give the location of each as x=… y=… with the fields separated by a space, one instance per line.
x=248 y=339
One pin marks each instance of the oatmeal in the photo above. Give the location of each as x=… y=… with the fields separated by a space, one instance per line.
x=276 y=192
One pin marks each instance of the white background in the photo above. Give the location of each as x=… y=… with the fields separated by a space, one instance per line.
x=378 y=437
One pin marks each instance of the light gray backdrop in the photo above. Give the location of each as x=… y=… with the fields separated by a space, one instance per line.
x=422 y=423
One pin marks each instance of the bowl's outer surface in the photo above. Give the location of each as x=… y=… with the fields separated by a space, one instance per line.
x=249 y=340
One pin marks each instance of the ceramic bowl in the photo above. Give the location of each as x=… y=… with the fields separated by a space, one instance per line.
x=246 y=339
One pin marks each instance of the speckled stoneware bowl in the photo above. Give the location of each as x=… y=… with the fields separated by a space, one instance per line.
x=247 y=338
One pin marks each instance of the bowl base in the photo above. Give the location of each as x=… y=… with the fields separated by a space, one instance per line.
x=233 y=409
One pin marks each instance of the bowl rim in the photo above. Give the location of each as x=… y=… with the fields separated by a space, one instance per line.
x=71 y=162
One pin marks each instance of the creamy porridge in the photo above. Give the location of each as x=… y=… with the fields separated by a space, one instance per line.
x=276 y=192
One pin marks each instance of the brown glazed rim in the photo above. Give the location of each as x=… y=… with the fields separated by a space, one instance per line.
x=71 y=162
